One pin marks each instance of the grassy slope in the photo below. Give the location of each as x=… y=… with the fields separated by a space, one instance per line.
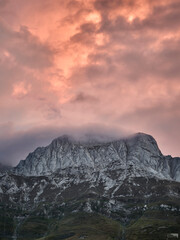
x=152 y=224
x=75 y=226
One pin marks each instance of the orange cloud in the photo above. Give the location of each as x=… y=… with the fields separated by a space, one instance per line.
x=21 y=90
x=78 y=62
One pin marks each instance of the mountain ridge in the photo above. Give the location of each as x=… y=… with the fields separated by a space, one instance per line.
x=140 y=151
x=70 y=190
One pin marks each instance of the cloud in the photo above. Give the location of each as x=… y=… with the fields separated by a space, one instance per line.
x=162 y=120
x=85 y=35
x=80 y=62
x=3 y=3
x=108 y=6
x=81 y=97
x=17 y=144
x=20 y=90
x=25 y=48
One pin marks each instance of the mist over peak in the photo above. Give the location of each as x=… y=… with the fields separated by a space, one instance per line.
x=16 y=145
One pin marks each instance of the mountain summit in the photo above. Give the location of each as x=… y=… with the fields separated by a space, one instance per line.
x=73 y=189
x=137 y=156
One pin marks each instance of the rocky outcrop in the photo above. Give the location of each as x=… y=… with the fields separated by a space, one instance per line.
x=137 y=156
x=122 y=179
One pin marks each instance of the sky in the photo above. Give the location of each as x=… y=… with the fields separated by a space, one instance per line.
x=102 y=67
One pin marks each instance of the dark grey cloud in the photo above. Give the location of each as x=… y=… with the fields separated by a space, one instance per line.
x=86 y=35
x=83 y=97
x=162 y=120
x=76 y=11
x=105 y=6
x=162 y=17
x=16 y=145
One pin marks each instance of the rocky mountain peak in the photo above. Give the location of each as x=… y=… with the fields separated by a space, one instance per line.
x=144 y=140
x=138 y=154
x=64 y=139
x=122 y=179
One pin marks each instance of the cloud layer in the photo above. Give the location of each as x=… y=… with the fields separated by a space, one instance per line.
x=72 y=64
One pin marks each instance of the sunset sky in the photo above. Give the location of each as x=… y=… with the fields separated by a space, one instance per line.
x=108 y=67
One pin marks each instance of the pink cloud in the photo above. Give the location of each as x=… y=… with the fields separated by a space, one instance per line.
x=79 y=62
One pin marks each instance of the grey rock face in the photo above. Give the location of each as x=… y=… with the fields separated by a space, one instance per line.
x=90 y=177
x=138 y=156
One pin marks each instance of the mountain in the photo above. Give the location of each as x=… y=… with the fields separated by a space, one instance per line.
x=4 y=168
x=128 y=185
x=138 y=156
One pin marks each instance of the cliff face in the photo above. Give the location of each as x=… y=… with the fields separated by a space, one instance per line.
x=69 y=169
x=136 y=156
x=128 y=180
